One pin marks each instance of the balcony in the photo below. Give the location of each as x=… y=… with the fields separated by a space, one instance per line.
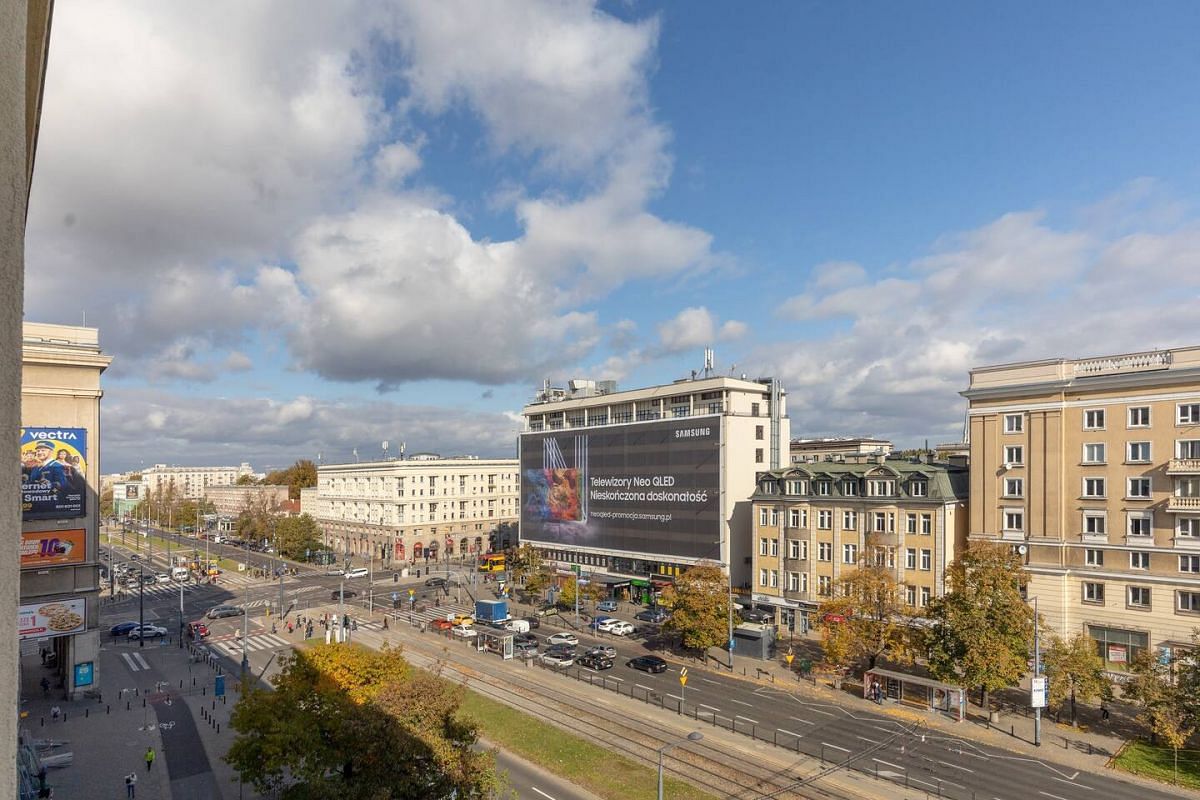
x=1183 y=466
x=1183 y=505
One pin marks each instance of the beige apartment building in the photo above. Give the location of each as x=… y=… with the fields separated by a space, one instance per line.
x=60 y=470
x=191 y=482
x=1091 y=468
x=836 y=448
x=413 y=511
x=230 y=501
x=814 y=523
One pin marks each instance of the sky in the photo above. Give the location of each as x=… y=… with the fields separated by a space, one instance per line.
x=306 y=228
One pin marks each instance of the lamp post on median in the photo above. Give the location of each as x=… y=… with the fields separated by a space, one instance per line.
x=694 y=736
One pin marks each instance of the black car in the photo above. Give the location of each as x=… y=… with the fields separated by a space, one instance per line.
x=534 y=622
x=217 y=612
x=651 y=664
x=435 y=582
x=595 y=661
x=756 y=615
x=525 y=638
x=339 y=593
x=122 y=628
x=564 y=650
x=655 y=615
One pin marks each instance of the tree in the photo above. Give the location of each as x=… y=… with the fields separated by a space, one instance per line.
x=106 y=503
x=699 y=603
x=1170 y=703
x=981 y=629
x=297 y=537
x=525 y=562
x=301 y=475
x=586 y=591
x=1075 y=672
x=246 y=480
x=866 y=619
x=346 y=722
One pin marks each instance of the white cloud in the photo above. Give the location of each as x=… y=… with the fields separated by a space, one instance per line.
x=694 y=328
x=837 y=274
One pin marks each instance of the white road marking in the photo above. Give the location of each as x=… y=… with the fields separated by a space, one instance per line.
x=955 y=766
x=826 y=713
x=888 y=763
x=702 y=705
x=675 y=697
x=1071 y=783
x=789 y=733
x=739 y=716
x=1056 y=797
x=865 y=739
x=741 y=703
x=642 y=686
x=706 y=680
x=834 y=746
x=543 y=794
x=803 y=721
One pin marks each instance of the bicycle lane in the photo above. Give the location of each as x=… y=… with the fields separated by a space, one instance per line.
x=183 y=750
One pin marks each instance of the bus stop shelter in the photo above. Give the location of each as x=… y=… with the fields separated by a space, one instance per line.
x=945 y=698
x=494 y=641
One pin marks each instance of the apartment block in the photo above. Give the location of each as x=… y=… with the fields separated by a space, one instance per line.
x=191 y=482
x=815 y=523
x=836 y=448
x=1091 y=469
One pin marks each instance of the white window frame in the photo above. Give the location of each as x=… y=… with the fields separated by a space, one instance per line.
x=774 y=574
x=1135 y=411
x=919 y=488
x=1141 y=516
x=910 y=523
x=822 y=488
x=927 y=524
x=849 y=553
x=1014 y=454
x=793 y=518
x=804 y=582
x=794 y=549
x=1097 y=449
x=824 y=519
x=910 y=558
x=878 y=522
x=825 y=551
x=1014 y=487
x=1095 y=419
x=803 y=550
x=793 y=582
x=1189 y=564
x=1139 y=559
x=849 y=520
x=775 y=547
x=762 y=517
x=926 y=559
x=1095 y=524
x=1093 y=592
x=774 y=518
x=910 y=595
x=1130 y=458
x=1183 y=524
x=1014 y=423
x=1187 y=413
x=926 y=594
x=1102 y=485
x=762 y=576
x=1014 y=519
x=824 y=585
x=1130 y=591
x=1093 y=557
x=1139 y=482
x=850 y=488
x=762 y=546
x=1191 y=444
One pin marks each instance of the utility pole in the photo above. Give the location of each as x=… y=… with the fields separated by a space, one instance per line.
x=141 y=606
x=180 y=611
x=1037 y=672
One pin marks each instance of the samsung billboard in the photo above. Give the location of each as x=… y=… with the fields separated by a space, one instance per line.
x=650 y=487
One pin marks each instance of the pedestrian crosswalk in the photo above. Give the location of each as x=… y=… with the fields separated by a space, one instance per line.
x=232 y=647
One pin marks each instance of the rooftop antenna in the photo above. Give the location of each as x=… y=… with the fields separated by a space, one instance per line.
x=708 y=362
x=402 y=451
x=318 y=458
x=355 y=451
x=385 y=446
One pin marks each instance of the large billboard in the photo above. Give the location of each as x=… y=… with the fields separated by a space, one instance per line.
x=651 y=487
x=53 y=548
x=58 y=618
x=53 y=473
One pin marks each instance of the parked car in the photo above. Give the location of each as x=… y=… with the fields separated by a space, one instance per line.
x=122 y=628
x=442 y=624
x=342 y=593
x=654 y=615
x=526 y=647
x=651 y=664
x=564 y=637
x=599 y=621
x=595 y=661
x=606 y=605
x=547 y=610
x=558 y=658
x=217 y=612
x=603 y=649
x=525 y=638
x=197 y=630
x=756 y=615
x=534 y=622
x=334 y=570
x=606 y=624
x=463 y=619
x=621 y=628
x=147 y=632
x=464 y=631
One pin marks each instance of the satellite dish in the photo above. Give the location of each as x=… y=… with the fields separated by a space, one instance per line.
x=1022 y=549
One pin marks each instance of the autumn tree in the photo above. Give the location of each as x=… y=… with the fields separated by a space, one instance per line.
x=981 y=630
x=246 y=480
x=699 y=604
x=1168 y=695
x=1074 y=671
x=346 y=722
x=867 y=618
x=301 y=475
x=586 y=590
x=297 y=537
x=525 y=563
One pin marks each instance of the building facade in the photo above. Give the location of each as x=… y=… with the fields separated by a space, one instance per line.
x=230 y=501
x=836 y=448
x=126 y=497
x=1091 y=469
x=60 y=457
x=414 y=511
x=191 y=482
x=814 y=523
x=637 y=486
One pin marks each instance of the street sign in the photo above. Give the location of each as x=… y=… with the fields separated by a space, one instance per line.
x=683 y=677
x=788 y=658
x=1038 y=692
x=731 y=643
x=219 y=686
x=395 y=596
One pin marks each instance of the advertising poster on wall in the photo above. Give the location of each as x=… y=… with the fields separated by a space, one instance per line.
x=53 y=473
x=57 y=618
x=51 y=548
x=649 y=487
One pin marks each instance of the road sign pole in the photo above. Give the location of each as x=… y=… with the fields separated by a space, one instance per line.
x=682 y=688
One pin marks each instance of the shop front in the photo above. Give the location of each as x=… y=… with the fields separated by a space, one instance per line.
x=1118 y=647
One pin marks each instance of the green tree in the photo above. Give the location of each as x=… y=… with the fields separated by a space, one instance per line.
x=246 y=480
x=699 y=603
x=982 y=629
x=297 y=537
x=1168 y=695
x=866 y=619
x=106 y=503
x=345 y=722
x=1075 y=672
x=586 y=590
x=301 y=475
x=524 y=562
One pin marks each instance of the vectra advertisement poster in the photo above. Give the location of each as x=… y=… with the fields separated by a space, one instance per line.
x=53 y=473
x=650 y=487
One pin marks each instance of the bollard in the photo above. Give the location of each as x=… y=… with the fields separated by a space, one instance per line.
x=143 y=702
x=85 y=713
x=181 y=683
x=203 y=690
x=223 y=699
x=108 y=709
x=214 y=705
x=127 y=705
x=43 y=722
x=218 y=727
x=193 y=680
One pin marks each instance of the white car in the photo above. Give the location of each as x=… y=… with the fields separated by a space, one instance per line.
x=619 y=628
x=464 y=631
x=147 y=632
x=557 y=659
x=564 y=637
x=162 y=577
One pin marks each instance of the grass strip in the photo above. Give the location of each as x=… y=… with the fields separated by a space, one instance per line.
x=1158 y=763
x=573 y=758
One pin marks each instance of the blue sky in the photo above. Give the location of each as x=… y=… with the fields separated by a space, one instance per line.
x=393 y=220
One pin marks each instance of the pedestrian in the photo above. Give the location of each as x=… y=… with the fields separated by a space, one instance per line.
x=55 y=712
x=43 y=656
x=385 y=627
x=1103 y=711
x=354 y=624
x=309 y=631
x=45 y=684
x=149 y=758
x=290 y=628
x=131 y=784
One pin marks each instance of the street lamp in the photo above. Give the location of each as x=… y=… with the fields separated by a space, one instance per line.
x=694 y=736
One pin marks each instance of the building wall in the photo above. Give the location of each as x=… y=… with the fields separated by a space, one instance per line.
x=231 y=501
x=60 y=388
x=191 y=482
x=1073 y=539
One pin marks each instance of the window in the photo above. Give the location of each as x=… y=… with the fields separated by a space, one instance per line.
x=1095 y=523
x=793 y=549
x=1014 y=519
x=1189 y=527
x=910 y=595
x=878 y=522
x=794 y=518
x=1188 y=602
x=804 y=581
x=1014 y=487
x=882 y=488
x=891 y=557
x=823 y=488
x=1139 y=489
x=927 y=524
x=1139 y=417
x=774 y=517
x=925 y=595
x=850 y=488
x=1014 y=454
x=1139 y=523
x=1093 y=487
x=1137 y=452
x=1014 y=423
x=1138 y=597
x=793 y=582
x=1187 y=448
x=796 y=487
x=775 y=547
x=1093 y=419
x=754 y=409
x=758 y=432
x=1093 y=593
x=824 y=519
x=762 y=547
x=762 y=577
x=1187 y=414
x=926 y=560
x=824 y=585
x=1189 y=564
x=849 y=554
x=1139 y=560
x=918 y=488
x=774 y=579
x=1094 y=558
x=824 y=551
x=910 y=558
x=910 y=524
x=1093 y=453
x=804 y=551
x=849 y=520
x=758 y=455
x=762 y=516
